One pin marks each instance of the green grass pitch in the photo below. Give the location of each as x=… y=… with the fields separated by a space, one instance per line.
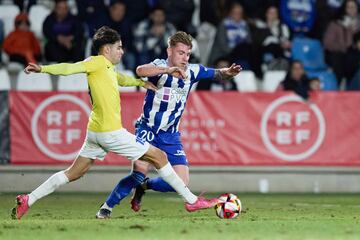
x=270 y=216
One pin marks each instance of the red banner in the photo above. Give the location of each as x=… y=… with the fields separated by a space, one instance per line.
x=229 y=128
x=49 y=128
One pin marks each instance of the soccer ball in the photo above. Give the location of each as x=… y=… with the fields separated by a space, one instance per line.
x=229 y=206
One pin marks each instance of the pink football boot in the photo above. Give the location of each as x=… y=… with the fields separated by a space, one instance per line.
x=21 y=207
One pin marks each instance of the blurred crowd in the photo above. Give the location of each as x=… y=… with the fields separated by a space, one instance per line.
x=261 y=35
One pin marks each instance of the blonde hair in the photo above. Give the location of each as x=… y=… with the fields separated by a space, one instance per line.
x=180 y=37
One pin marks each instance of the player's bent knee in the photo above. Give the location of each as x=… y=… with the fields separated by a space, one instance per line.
x=161 y=157
x=155 y=156
x=141 y=166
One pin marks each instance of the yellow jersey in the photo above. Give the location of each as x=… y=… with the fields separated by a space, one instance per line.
x=103 y=83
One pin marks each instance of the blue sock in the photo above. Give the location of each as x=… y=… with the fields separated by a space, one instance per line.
x=158 y=184
x=124 y=187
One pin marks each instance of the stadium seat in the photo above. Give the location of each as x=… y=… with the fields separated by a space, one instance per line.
x=205 y=39
x=4 y=80
x=327 y=78
x=310 y=52
x=75 y=82
x=216 y=88
x=37 y=15
x=246 y=81
x=8 y=13
x=128 y=89
x=14 y=67
x=33 y=82
x=272 y=79
x=88 y=46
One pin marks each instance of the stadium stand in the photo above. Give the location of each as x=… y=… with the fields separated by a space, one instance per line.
x=8 y=13
x=310 y=52
x=76 y=82
x=4 y=80
x=246 y=81
x=272 y=80
x=327 y=78
x=205 y=39
x=37 y=15
x=33 y=82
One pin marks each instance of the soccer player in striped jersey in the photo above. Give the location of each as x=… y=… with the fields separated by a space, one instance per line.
x=105 y=132
x=159 y=121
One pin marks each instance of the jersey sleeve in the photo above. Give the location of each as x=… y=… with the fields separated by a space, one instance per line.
x=201 y=72
x=127 y=81
x=64 y=68
x=89 y=65
x=159 y=63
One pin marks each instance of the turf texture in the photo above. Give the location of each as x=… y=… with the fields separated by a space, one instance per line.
x=265 y=216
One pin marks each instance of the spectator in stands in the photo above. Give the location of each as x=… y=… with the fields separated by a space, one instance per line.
x=179 y=13
x=314 y=84
x=352 y=66
x=117 y=21
x=92 y=13
x=296 y=80
x=339 y=36
x=274 y=39
x=21 y=44
x=226 y=84
x=138 y=10
x=214 y=11
x=256 y=8
x=151 y=36
x=326 y=11
x=64 y=35
x=298 y=15
x=233 y=39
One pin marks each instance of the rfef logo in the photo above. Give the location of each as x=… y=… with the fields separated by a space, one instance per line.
x=58 y=126
x=292 y=129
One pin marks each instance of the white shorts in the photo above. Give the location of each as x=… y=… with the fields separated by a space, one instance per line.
x=121 y=142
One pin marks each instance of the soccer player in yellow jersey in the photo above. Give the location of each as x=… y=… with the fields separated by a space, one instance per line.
x=105 y=132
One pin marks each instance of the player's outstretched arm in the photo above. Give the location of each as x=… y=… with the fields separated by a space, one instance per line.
x=150 y=70
x=56 y=69
x=128 y=81
x=231 y=71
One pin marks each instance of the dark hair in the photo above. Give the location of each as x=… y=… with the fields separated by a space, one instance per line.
x=237 y=4
x=112 y=3
x=20 y=18
x=103 y=36
x=314 y=79
x=156 y=8
x=293 y=62
x=263 y=11
x=342 y=10
x=59 y=1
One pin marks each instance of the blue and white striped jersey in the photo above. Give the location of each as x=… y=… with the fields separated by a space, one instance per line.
x=162 y=109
